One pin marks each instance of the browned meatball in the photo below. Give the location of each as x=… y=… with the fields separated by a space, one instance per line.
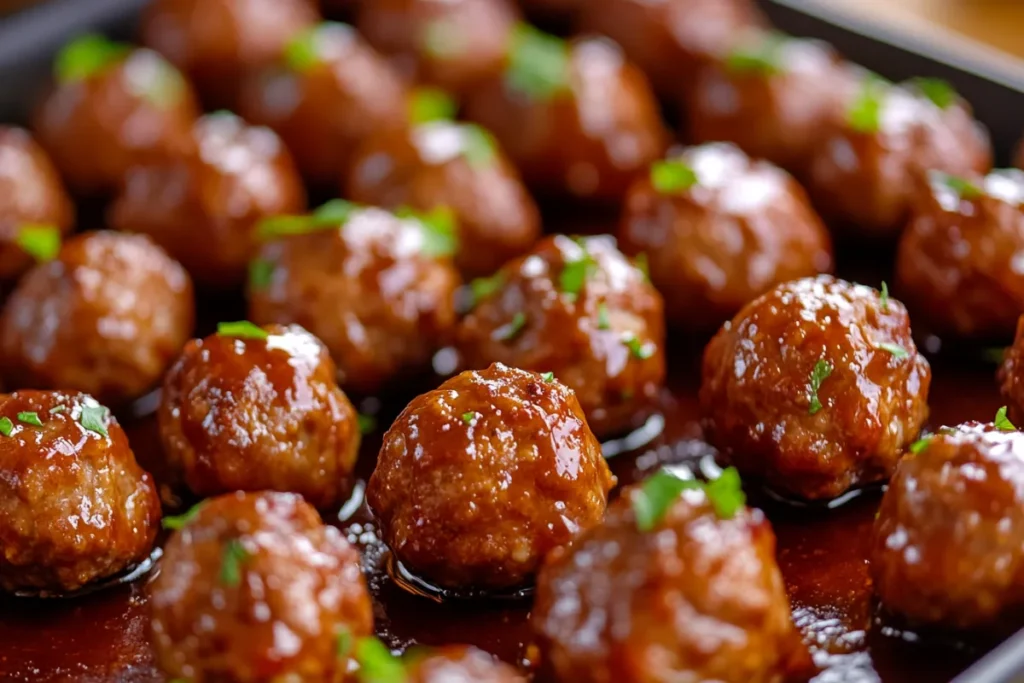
x=719 y=229
x=868 y=167
x=670 y=39
x=460 y=664
x=107 y=317
x=253 y=589
x=332 y=92
x=773 y=96
x=696 y=598
x=75 y=507
x=377 y=289
x=253 y=408
x=577 y=118
x=957 y=266
x=815 y=387
x=216 y=42
x=948 y=543
x=1011 y=377
x=580 y=309
x=479 y=479
x=454 y=44
x=213 y=197
x=112 y=108
x=458 y=166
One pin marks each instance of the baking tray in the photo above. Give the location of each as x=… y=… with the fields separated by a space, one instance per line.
x=46 y=641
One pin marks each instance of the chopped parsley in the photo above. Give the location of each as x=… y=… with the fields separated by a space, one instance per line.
x=726 y=493
x=638 y=349
x=672 y=176
x=895 y=349
x=575 y=274
x=548 y=377
x=538 y=63
x=964 y=188
x=6 y=426
x=165 y=86
x=30 y=418
x=302 y=53
x=865 y=114
x=377 y=664
x=641 y=263
x=1002 y=422
x=88 y=56
x=333 y=214
x=479 y=148
x=485 y=287
x=763 y=57
x=367 y=423
x=884 y=297
x=94 y=418
x=469 y=417
x=231 y=562
x=657 y=494
x=177 y=522
x=58 y=409
x=821 y=372
x=511 y=330
x=921 y=444
x=242 y=329
x=41 y=242
x=343 y=642
x=603 y=321
x=940 y=92
x=261 y=274
x=431 y=104
x=440 y=237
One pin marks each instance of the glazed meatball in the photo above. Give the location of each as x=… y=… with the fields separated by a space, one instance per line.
x=948 y=545
x=479 y=479
x=113 y=107
x=867 y=170
x=696 y=598
x=253 y=589
x=107 y=317
x=773 y=96
x=815 y=387
x=460 y=664
x=957 y=266
x=213 y=197
x=332 y=91
x=454 y=44
x=1011 y=377
x=458 y=166
x=719 y=229
x=217 y=42
x=35 y=210
x=253 y=408
x=75 y=507
x=577 y=118
x=377 y=289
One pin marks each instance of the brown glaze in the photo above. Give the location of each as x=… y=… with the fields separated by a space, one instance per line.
x=296 y=587
x=254 y=414
x=458 y=166
x=479 y=479
x=216 y=42
x=948 y=544
x=453 y=44
x=552 y=9
x=75 y=507
x=742 y=228
x=460 y=664
x=1011 y=377
x=323 y=109
x=107 y=317
x=31 y=194
x=368 y=288
x=97 y=127
x=698 y=598
x=213 y=196
x=588 y=140
x=757 y=388
x=960 y=264
x=606 y=341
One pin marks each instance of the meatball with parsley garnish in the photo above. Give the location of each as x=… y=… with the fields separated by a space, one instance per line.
x=576 y=118
x=815 y=388
x=107 y=316
x=377 y=288
x=679 y=583
x=479 y=479
x=113 y=106
x=948 y=544
x=1011 y=376
x=718 y=229
x=258 y=408
x=75 y=507
x=254 y=587
x=579 y=308
x=958 y=266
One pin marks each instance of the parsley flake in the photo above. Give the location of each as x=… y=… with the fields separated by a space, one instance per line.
x=469 y=417
x=343 y=642
x=231 y=562
x=485 y=287
x=88 y=56
x=333 y=214
x=885 y=297
x=865 y=114
x=763 y=58
x=940 y=92
x=30 y=418
x=440 y=237
x=548 y=377
x=895 y=349
x=242 y=329
x=261 y=274
x=41 y=242
x=177 y=522
x=726 y=493
x=921 y=444
x=672 y=176
x=538 y=63
x=6 y=426
x=164 y=85
x=965 y=189
x=377 y=664
x=821 y=372
x=94 y=418
x=1002 y=422
x=657 y=494
x=367 y=423
x=641 y=263
x=479 y=148
x=431 y=104
x=603 y=321
x=302 y=53
x=638 y=349
x=511 y=330
x=58 y=409
x=575 y=274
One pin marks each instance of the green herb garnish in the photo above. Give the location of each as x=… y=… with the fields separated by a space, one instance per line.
x=479 y=148
x=921 y=444
x=231 y=562
x=638 y=349
x=367 y=423
x=485 y=287
x=377 y=664
x=88 y=56
x=30 y=418
x=58 y=409
x=443 y=39
x=343 y=642
x=575 y=274
x=177 y=522
x=333 y=214
x=6 y=426
x=672 y=176
x=763 y=57
x=242 y=329
x=469 y=417
x=885 y=297
x=548 y=377
x=865 y=115
x=94 y=418
x=41 y=242
x=940 y=92
x=726 y=493
x=659 y=492
x=431 y=104
x=1002 y=422
x=603 y=321
x=821 y=372
x=895 y=349
x=641 y=263
x=302 y=53
x=511 y=330
x=964 y=188
x=261 y=274
x=163 y=85
x=440 y=237
x=538 y=63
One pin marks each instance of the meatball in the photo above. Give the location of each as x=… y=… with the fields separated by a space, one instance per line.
x=720 y=229
x=113 y=107
x=107 y=317
x=332 y=92
x=670 y=39
x=237 y=175
x=217 y=42
x=870 y=163
x=580 y=309
x=698 y=597
x=948 y=545
x=377 y=289
x=479 y=479
x=815 y=387
x=460 y=664
x=35 y=210
x=454 y=44
x=1011 y=377
x=956 y=266
x=458 y=166
x=254 y=588
x=577 y=118
x=773 y=96
x=75 y=507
